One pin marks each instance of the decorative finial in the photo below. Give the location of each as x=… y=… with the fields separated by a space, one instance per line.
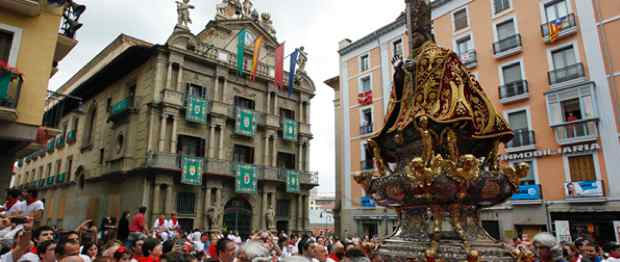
x=183 y=14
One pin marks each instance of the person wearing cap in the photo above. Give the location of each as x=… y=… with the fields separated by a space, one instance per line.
x=547 y=249
x=613 y=252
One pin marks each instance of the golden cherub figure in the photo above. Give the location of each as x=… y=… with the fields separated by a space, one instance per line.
x=469 y=168
x=426 y=137
x=377 y=157
x=419 y=174
x=363 y=179
x=515 y=174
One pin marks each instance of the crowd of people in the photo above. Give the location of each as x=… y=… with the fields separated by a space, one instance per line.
x=130 y=239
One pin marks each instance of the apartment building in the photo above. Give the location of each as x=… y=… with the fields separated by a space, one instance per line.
x=549 y=67
x=177 y=128
x=31 y=45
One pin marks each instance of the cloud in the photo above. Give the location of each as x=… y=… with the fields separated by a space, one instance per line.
x=316 y=24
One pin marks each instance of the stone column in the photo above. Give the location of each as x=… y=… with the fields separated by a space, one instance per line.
x=291 y=214
x=274 y=152
x=173 y=138
x=266 y=151
x=206 y=205
x=307 y=157
x=268 y=102
x=308 y=113
x=149 y=143
x=263 y=209
x=156 y=199
x=306 y=211
x=300 y=214
x=301 y=112
x=216 y=91
x=221 y=146
x=180 y=79
x=225 y=88
x=275 y=106
x=162 y=133
x=169 y=199
x=211 y=141
x=300 y=156
x=169 y=76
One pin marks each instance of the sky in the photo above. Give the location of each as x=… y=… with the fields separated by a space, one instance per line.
x=318 y=25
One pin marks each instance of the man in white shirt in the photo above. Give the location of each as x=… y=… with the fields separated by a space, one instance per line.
x=34 y=207
x=13 y=205
x=21 y=245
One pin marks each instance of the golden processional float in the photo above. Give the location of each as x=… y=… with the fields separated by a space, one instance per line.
x=436 y=156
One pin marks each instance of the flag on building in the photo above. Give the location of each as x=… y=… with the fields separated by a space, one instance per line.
x=246 y=179
x=245 y=122
x=192 y=171
x=279 y=73
x=291 y=73
x=256 y=57
x=241 y=51
x=292 y=181
x=555 y=27
x=196 y=110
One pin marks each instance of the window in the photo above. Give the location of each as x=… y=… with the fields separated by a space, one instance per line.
x=196 y=90
x=58 y=166
x=49 y=170
x=243 y=102
x=286 y=160
x=41 y=172
x=108 y=105
x=101 y=155
x=186 y=203
x=582 y=168
x=501 y=5
x=90 y=127
x=76 y=120
x=506 y=29
x=65 y=126
x=191 y=146
x=364 y=63
x=131 y=95
x=460 y=20
x=464 y=44
x=556 y=9
x=398 y=47
x=243 y=154
x=564 y=57
x=6 y=41
x=518 y=120
x=512 y=73
x=69 y=166
x=366 y=117
x=365 y=84
x=288 y=114
x=571 y=105
x=366 y=157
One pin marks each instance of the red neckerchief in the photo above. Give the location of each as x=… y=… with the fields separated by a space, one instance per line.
x=174 y=221
x=161 y=221
x=30 y=200
x=10 y=203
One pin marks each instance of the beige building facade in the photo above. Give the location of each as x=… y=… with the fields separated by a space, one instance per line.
x=549 y=66
x=133 y=133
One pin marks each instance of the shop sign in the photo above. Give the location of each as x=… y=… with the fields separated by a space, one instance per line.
x=583 y=189
x=527 y=192
x=567 y=150
x=562 y=230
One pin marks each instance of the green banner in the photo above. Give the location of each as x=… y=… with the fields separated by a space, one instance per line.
x=5 y=82
x=50 y=180
x=60 y=178
x=60 y=141
x=196 y=110
x=50 y=145
x=192 y=171
x=120 y=106
x=71 y=137
x=246 y=179
x=292 y=181
x=246 y=122
x=289 y=129
x=241 y=51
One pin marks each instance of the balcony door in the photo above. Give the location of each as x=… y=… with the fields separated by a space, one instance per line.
x=582 y=168
x=463 y=45
x=564 y=57
x=286 y=161
x=366 y=162
x=506 y=29
x=191 y=146
x=520 y=125
x=556 y=9
x=243 y=154
x=6 y=41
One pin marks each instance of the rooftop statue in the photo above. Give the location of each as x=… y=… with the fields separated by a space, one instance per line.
x=436 y=155
x=183 y=13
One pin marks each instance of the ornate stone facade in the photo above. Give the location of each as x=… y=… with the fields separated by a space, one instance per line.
x=133 y=133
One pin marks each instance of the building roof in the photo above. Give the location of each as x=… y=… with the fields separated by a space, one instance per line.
x=333 y=82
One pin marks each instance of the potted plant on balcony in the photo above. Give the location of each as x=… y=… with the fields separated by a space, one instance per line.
x=7 y=75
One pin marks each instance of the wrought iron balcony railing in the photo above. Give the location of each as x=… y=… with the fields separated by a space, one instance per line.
x=564 y=24
x=565 y=74
x=10 y=89
x=522 y=138
x=469 y=58
x=366 y=129
x=513 y=89
x=507 y=44
x=576 y=131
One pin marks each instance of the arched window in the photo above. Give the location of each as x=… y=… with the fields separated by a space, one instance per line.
x=90 y=125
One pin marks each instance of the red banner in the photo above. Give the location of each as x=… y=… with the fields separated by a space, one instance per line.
x=365 y=98
x=279 y=77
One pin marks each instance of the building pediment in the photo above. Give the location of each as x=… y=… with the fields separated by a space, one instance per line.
x=233 y=26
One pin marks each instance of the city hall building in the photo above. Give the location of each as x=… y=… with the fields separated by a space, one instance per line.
x=549 y=66
x=180 y=127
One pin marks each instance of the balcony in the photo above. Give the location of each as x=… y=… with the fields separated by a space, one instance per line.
x=584 y=191
x=527 y=194
x=508 y=46
x=576 y=131
x=162 y=160
x=366 y=129
x=469 y=58
x=64 y=45
x=10 y=89
x=22 y=7
x=220 y=167
x=566 y=74
x=523 y=139
x=172 y=98
x=310 y=178
x=513 y=91
x=564 y=26
x=305 y=129
x=367 y=165
x=272 y=121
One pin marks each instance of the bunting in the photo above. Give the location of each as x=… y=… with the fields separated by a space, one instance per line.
x=555 y=27
x=291 y=73
x=257 y=46
x=279 y=74
x=240 y=51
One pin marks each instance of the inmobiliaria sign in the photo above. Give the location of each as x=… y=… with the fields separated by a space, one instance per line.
x=567 y=150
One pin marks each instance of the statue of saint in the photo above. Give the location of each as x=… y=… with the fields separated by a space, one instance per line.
x=269 y=218
x=302 y=59
x=183 y=13
x=247 y=7
x=265 y=20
